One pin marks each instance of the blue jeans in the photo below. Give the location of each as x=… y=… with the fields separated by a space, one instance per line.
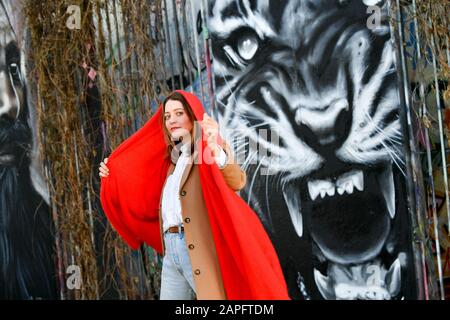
x=177 y=282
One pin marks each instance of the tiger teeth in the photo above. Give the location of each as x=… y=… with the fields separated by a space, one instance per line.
x=292 y=198
x=322 y=187
x=351 y=179
x=346 y=183
x=386 y=182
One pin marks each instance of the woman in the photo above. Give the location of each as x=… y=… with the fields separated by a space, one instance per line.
x=213 y=243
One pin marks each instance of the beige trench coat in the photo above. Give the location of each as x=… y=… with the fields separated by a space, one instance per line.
x=198 y=235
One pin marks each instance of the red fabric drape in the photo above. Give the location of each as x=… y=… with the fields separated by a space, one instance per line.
x=130 y=198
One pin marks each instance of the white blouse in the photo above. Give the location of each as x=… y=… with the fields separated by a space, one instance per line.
x=171 y=205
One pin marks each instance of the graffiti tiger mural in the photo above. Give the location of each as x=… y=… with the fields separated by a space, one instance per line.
x=315 y=89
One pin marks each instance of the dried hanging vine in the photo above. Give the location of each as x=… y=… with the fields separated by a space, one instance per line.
x=434 y=31
x=56 y=52
x=130 y=85
x=94 y=84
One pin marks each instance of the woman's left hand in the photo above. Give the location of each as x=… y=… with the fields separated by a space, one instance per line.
x=211 y=129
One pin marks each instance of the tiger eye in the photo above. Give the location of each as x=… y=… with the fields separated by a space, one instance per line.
x=247 y=47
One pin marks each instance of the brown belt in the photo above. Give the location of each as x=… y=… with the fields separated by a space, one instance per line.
x=175 y=229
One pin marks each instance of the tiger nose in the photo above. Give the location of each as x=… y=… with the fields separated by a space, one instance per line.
x=327 y=123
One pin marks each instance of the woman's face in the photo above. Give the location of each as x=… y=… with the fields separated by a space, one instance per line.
x=177 y=120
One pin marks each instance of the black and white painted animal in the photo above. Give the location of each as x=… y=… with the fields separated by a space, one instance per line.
x=307 y=91
x=27 y=262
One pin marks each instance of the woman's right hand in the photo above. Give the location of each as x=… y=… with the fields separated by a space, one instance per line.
x=103 y=169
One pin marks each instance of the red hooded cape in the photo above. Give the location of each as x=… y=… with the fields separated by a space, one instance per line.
x=130 y=198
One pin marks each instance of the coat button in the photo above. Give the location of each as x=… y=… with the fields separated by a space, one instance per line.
x=191 y=246
x=187 y=220
x=183 y=193
x=197 y=272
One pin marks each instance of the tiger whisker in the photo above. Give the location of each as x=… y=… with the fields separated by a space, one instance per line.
x=398 y=161
x=390 y=139
x=248 y=160
x=394 y=156
x=394 y=138
x=255 y=173
x=269 y=212
x=233 y=110
x=259 y=125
